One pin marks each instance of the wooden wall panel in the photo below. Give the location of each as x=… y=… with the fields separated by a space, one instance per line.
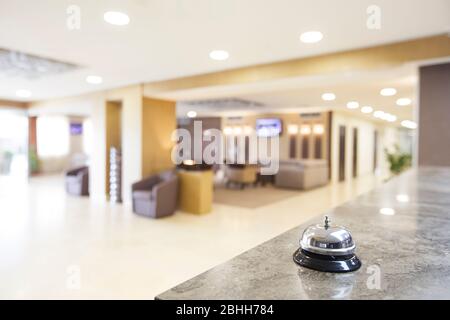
x=434 y=115
x=158 y=123
x=113 y=132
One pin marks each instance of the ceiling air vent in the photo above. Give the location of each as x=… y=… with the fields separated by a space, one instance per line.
x=23 y=65
x=222 y=104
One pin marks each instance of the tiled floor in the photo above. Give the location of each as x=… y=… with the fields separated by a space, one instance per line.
x=56 y=246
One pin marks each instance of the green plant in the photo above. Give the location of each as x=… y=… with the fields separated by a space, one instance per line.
x=33 y=161
x=398 y=161
x=8 y=155
x=7 y=160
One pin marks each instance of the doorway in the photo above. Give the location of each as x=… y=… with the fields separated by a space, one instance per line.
x=342 y=138
x=305 y=146
x=318 y=146
x=293 y=147
x=375 y=150
x=355 y=153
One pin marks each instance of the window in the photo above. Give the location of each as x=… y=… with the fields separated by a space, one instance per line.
x=52 y=136
x=13 y=126
x=13 y=143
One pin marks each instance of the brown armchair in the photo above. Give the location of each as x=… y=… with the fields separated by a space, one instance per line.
x=77 y=181
x=156 y=196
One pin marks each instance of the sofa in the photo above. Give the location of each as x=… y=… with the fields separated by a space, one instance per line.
x=156 y=196
x=77 y=181
x=302 y=174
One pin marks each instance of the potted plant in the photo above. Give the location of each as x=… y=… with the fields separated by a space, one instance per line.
x=33 y=161
x=398 y=160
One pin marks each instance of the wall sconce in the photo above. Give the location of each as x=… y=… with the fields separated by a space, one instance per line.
x=248 y=130
x=237 y=130
x=293 y=129
x=227 y=131
x=318 y=129
x=305 y=130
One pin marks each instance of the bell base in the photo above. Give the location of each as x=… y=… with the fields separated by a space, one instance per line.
x=336 y=264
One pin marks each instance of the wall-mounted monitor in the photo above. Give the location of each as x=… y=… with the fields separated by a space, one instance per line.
x=269 y=127
x=76 y=129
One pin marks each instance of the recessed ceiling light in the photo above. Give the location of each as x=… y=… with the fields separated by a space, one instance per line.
x=387 y=211
x=192 y=114
x=385 y=116
x=328 y=96
x=390 y=118
x=22 y=93
x=311 y=37
x=94 y=79
x=219 y=55
x=366 y=109
x=116 y=18
x=388 y=92
x=403 y=102
x=379 y=114
x=402 y=198
x=353 y=105
x=409 y=124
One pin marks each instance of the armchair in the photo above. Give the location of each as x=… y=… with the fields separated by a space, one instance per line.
x=77 y=181
x=156 y=196
x=241 y=175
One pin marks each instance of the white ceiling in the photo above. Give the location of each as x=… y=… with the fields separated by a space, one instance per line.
x=366 y=93
x=304 y=94
x=172 y=38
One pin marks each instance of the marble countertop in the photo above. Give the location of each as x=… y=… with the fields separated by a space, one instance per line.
x=405 y=255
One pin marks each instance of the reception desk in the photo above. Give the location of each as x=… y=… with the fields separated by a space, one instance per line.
x=195 y=191
x=404 y=253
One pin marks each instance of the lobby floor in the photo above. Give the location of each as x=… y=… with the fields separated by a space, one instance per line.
x=60 y=247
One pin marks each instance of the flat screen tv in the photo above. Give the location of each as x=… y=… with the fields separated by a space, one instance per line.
x=76 y=129
x=269 y=127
